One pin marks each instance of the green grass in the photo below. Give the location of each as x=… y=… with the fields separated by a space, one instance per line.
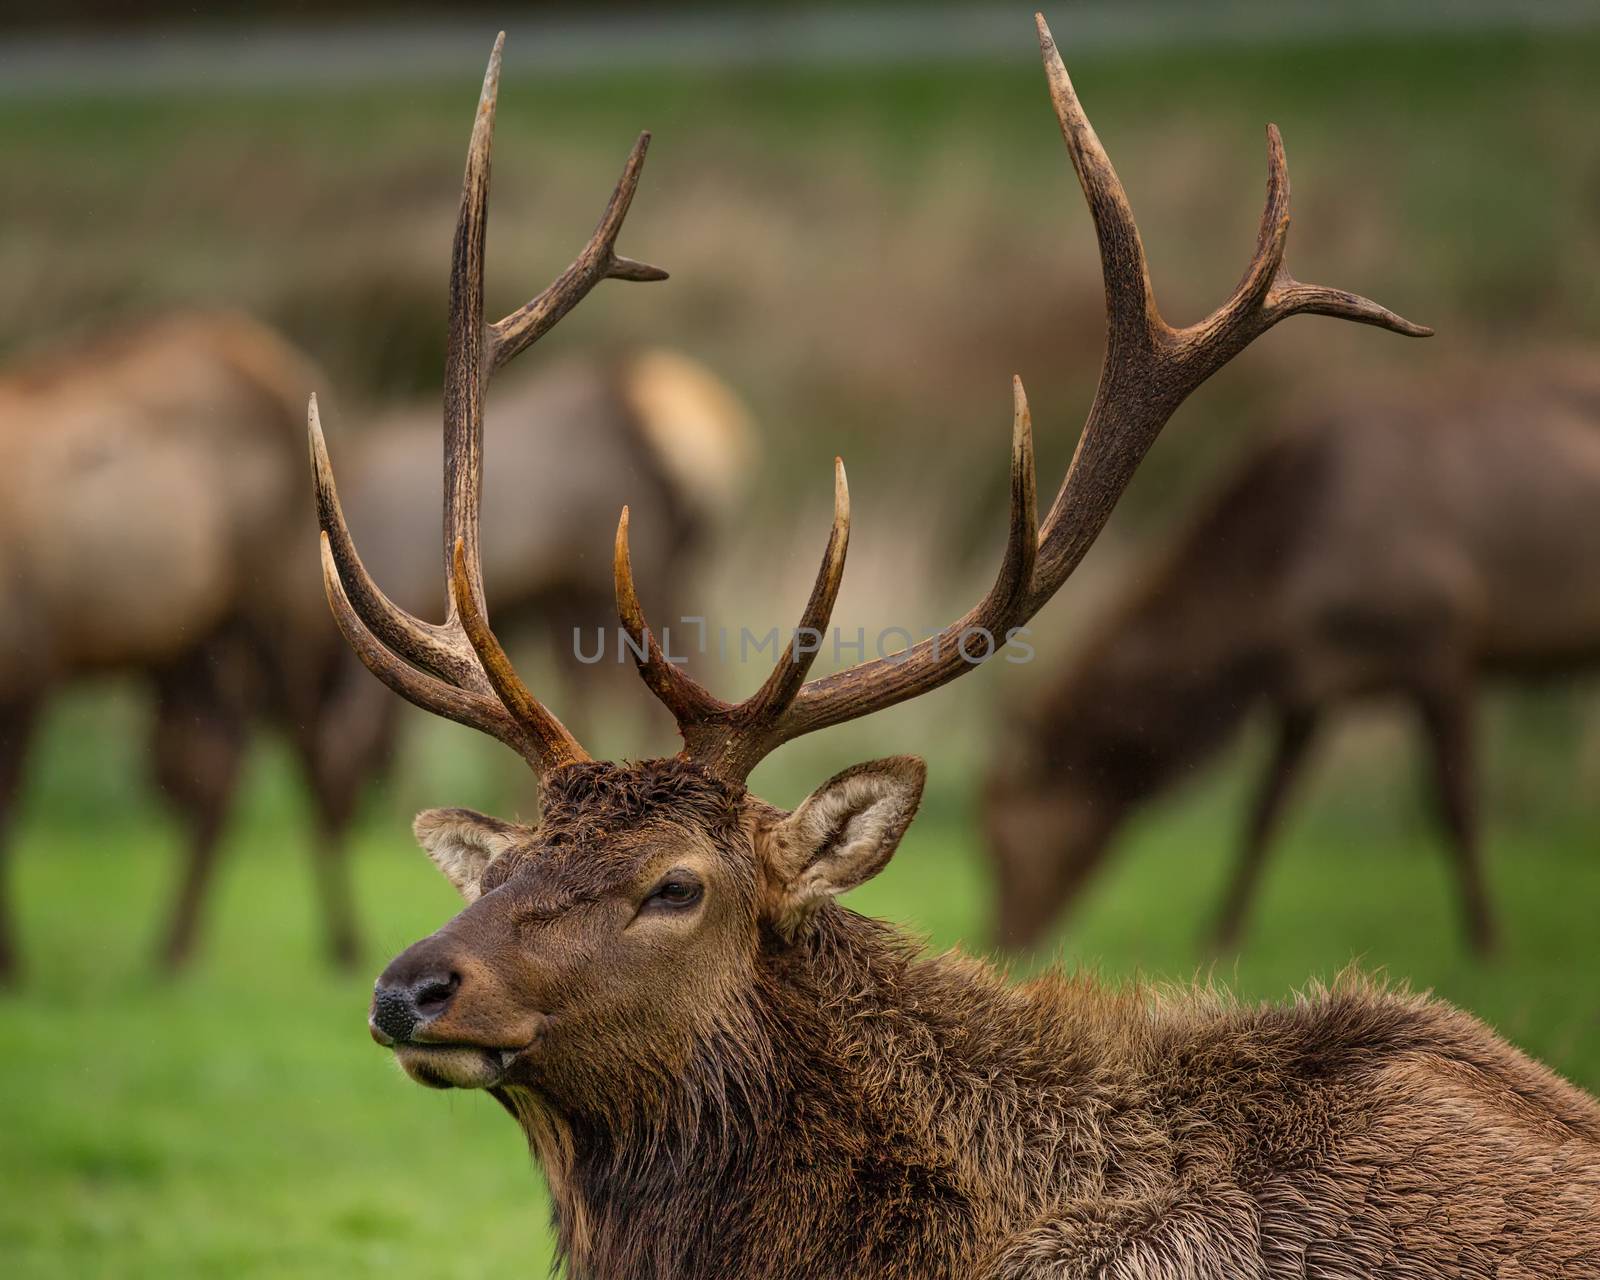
x=239 y=1122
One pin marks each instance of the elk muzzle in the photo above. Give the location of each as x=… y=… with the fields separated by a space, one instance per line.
x=447 y=1017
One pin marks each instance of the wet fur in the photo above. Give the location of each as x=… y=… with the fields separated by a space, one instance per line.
x=858 y=1110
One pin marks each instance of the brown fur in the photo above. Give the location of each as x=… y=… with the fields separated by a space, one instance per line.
x=1395 y=548
x=712 y=1098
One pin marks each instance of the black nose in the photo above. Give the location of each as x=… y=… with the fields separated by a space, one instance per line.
x=401 y=1005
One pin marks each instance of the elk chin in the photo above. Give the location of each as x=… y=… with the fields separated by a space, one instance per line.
x=454 y=1066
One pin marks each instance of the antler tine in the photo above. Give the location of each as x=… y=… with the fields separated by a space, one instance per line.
x=474 y=682
x=1148 y=369
x=555 y=746
x=688 y=700
x=1140 y=389
x=795 y=659
x=1268 y=293
x=1131 y=309
x=415 y=686
x=598 y=261
x=424 y=643
x=1022 y=537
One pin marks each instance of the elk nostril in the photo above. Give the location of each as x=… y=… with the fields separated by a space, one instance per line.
x=432 y=994
x=393 y=1014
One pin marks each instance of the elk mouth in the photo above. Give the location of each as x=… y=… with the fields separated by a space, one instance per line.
x=439 y=1062
x=454 y=1066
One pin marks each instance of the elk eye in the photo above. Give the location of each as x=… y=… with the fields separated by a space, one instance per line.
x=675 y=893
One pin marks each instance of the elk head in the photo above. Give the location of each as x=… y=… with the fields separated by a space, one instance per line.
x=602 y=948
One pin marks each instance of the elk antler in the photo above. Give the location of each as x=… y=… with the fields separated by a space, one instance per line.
x=1148 y=369
x=457 y=668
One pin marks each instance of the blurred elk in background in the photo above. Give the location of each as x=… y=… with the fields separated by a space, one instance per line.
x=1404 y=546
x=156 y=524
x=149 y=489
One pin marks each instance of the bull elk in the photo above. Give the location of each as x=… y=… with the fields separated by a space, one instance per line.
x=1406 y=546
x=724 y=1072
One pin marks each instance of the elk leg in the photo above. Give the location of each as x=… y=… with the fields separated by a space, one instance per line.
x=1295 y=731
x=331 y=868
x=199 y=743
x=16 y=730
x=1447 y=721
x=350 y=744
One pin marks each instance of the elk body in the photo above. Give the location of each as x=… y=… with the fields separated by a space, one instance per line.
x=1402 y=547
x=156 y=476
x=723 y=1072
x=150 y=489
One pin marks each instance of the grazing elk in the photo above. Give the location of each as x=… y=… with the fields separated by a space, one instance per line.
x=724 y=1072
x=154 y=477
x=1402 y=547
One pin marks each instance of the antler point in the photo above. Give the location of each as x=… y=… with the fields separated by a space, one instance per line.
x=314 y=431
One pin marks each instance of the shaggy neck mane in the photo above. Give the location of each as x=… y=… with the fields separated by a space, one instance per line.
x=848 y=1088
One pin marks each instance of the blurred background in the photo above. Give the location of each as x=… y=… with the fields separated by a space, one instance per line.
x=870 y=225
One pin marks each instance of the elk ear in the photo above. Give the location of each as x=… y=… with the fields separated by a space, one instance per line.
x=462 y=843
x=842 y=835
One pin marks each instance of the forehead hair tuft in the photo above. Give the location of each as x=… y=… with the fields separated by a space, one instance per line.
x=616 y=796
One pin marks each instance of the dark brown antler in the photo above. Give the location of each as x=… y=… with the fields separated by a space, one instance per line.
x=457 y=668
x=1149 y=368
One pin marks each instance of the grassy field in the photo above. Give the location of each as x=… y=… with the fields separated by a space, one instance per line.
x=867 y=257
